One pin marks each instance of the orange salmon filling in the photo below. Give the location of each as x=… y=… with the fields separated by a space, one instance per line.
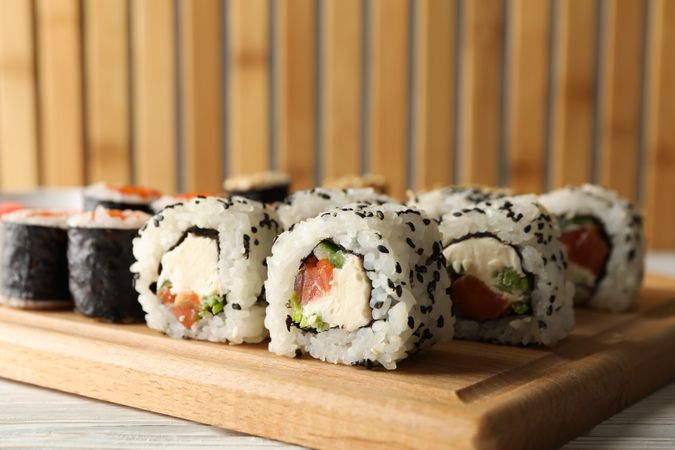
x=587 y=248
x=137 y=190
x=314 y=279
x=185 y=306
x=474 y=300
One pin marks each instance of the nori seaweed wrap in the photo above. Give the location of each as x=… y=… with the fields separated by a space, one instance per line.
x=99 y=256
x=265 y=187
x=34 y=268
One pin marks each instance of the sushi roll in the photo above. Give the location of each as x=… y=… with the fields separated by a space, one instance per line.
x=369 y=180
x=358 y=285
x=605 y=244
x=34 y=270
x=200 y=268
x=441 y=201
x=167 y=200
x=99 y=257
x=312 y=202
x=507 y=269
x=266 y=187
x=119 y=197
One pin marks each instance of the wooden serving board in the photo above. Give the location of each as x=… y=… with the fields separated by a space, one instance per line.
x=459 y=395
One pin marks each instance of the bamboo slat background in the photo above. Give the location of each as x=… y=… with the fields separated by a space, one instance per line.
x=179 y=94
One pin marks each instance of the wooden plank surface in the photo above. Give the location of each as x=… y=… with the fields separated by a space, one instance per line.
x=61 y=92
x=249 y=72
x=201 y=51
x=660 y=140
x=573 y=92
x=434 y=83
x=107 y=86
x=154 y=99
x=18 y=96
x=342 y=87
x=296 y=45
x=389 y=96
x=480 y=100
x=621 y=84
x=528 y=84
x=457 y=395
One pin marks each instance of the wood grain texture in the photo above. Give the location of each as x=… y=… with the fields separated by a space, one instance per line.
x=201 y=37
x=107 y=86
x=296 y=45
x=660 y=139
x=480 y=103
x=389 y=61
x=621 y=93
x=573 y=92
x=154 y=100
x=528 y=84
x=342 y=87
x=249 y=72
x=18 y=96
x=61 y=92
x=457 y=395
x=434 y=82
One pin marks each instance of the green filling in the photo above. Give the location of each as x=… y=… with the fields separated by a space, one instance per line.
x=566 y=223
x=211 y=304
x=335 y=256
x=166 y=283
x=311 y=321
x=509 y=281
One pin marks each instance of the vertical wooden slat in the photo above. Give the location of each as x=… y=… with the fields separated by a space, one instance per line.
x=573 y=94
x=389 y=91
x=154 y=101
x=527 y=93
x=434 y=99
x=480 y=109
x=18 y=117
x=297 y=98
x=660 y=139
x=621 y=77
x=342 y=87
x=249 y=86
x=202 y=76
x=60 y=81
x=107 y=87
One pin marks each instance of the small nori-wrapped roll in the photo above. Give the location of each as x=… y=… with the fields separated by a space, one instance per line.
x=99 y=256
x=34 y=268
x=265 y=187
x=119 y=197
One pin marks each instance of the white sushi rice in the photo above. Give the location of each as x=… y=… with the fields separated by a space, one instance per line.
x=410 y=303
x=38 y=217
x=103 y=217
x=441 y=201
x=622 y=223
x=105 y=192
x=241 y=271
x=312 y=202
x=524 y=224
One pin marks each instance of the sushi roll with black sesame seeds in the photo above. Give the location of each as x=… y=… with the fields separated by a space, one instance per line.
x=508 y=272
x=200 y=267
x=605 y=245
x=441 y=201
x=34 y=268
x=99 y=257
x=359 y=285
x=266 y=187
x=119 y=197
x=312 y=202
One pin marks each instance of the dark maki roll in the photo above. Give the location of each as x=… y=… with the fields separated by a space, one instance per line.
x=99 y=256
x=34 y=270
x=266 y=187
x=119 y=197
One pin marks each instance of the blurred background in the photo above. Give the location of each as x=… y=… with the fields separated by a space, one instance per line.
x=179 y=94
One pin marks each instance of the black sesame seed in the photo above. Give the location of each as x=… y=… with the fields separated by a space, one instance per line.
x=289 y=322
x=411 y=225
x=382 y=249
x=399 y=291
x=398 y=268
x=254 y=230
x=437 y=275
x=631 y=254
x=236 y=306
x=390 y=284
x=440 y=322
x=527 y=229
x=410 y=242
x=457 y=214
x=411 y=322
x=549 y=310
x=426 y=221
x=298 y=352
x=420 y=251
x=378 y=305
x=256 y=242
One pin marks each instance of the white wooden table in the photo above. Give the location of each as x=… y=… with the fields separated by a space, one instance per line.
x=33 y=417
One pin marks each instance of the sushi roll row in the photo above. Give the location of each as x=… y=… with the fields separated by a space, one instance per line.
x=56 y=259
